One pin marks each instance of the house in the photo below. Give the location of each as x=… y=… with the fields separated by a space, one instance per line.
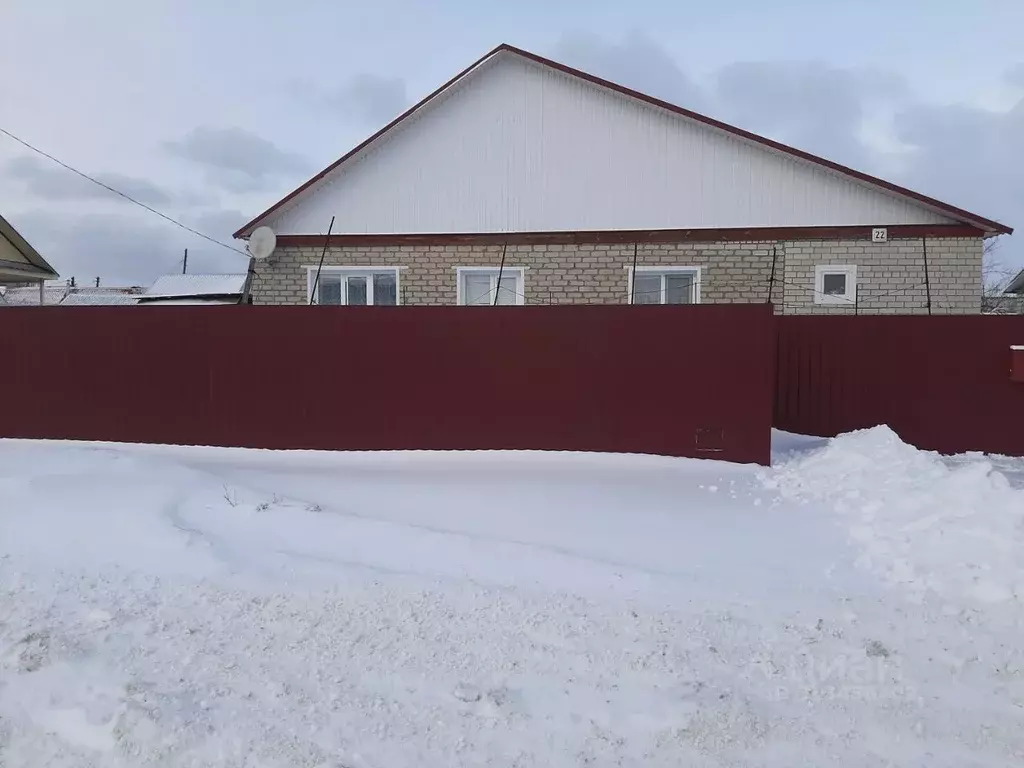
x=195 y=289
x=90 y=296
x=46 y=292
x=1016 y=286
x=21 y=264
x=1010 y=301
x=524 y=181
x=67 y=294
x=167 y=290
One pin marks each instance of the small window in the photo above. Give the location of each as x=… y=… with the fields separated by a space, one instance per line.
x=665 y=285
x=835 y=284
x=354 y=287
x=478 y=286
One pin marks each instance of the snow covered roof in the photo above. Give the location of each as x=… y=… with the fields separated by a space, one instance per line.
x=185 y=286
x=28 y=296
x=59 y=293
x=197 y=289
x=101 y=297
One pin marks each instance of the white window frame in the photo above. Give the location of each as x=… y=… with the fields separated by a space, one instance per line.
x=518 y=272
x=696 y=271
x=847 y=299
x=346 y=272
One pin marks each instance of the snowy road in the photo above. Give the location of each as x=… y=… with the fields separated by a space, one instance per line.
x=859 y=604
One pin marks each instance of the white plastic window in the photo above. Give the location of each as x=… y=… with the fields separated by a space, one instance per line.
x=478 y=286
x=355 y=287
x=665 y=285
x=835 y=284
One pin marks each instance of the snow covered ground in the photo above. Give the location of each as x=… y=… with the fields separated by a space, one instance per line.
x=858 y=604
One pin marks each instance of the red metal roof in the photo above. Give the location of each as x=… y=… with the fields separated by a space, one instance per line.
x=987 y=225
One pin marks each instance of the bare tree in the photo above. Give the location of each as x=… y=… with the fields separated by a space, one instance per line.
x=995 y=276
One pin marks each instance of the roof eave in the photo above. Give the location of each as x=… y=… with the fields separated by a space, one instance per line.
x=26 y=271
x=194 y=296
x=25 y=248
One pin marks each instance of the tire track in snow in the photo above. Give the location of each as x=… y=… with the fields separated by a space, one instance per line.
x=244 y=479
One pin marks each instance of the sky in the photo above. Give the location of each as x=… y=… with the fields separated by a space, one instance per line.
x=209 y=110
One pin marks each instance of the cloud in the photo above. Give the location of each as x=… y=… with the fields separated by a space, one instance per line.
x=637 y=62
x=970 y=157
x=372 y=98
x=47 y=181
x=1016 y=75
x=121 y=249
x=218 y=224
x=816 y=107
x=236 y=159
x=364 y=98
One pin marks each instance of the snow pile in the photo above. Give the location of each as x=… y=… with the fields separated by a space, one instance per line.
x=955 y=528
x=209 y=607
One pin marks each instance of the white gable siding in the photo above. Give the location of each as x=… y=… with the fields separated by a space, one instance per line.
x=9 y=253
x=516 y=146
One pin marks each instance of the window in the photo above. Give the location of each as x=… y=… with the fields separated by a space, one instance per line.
x=477 y=286
x=835 y=284
x=355 y=286
x=664 y=285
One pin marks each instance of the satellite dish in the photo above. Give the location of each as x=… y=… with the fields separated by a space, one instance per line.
x=262 y=243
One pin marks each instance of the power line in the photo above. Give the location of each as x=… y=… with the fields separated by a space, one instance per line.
x=118 y=192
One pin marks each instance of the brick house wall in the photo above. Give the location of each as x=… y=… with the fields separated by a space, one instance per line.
x=890 y=276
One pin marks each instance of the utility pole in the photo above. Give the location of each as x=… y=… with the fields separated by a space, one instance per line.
x=184 y=264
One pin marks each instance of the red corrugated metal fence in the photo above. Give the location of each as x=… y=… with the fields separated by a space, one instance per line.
x=943 y=383
x=681 y=381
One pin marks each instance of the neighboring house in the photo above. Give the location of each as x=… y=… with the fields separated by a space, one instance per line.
x=1010 y=301
x=28 y=295
x=59 y=293
x=562 y=181
x=102 y=297
x=169 y=289
x=1016 y=285
x=194 y=289
x=21 y=264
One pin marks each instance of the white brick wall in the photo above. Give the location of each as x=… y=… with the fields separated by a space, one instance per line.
x=890 y=276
